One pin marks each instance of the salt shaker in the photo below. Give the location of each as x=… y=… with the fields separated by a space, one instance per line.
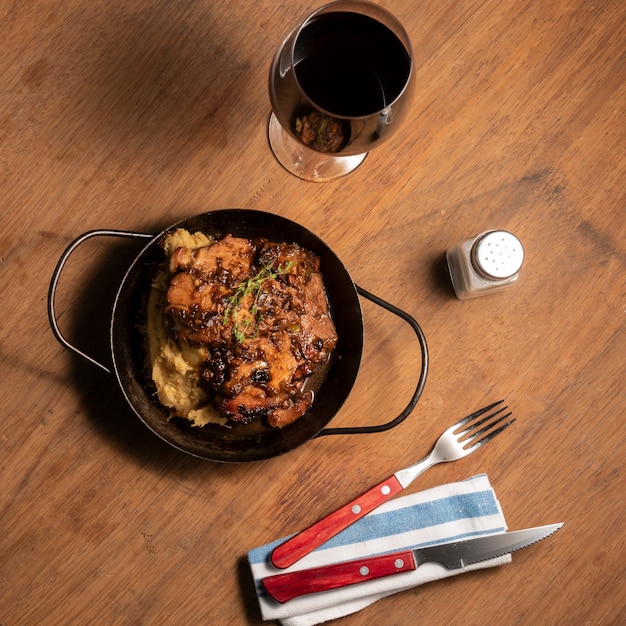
x=485 y=264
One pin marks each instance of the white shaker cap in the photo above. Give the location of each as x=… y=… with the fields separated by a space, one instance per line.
x=498 y=255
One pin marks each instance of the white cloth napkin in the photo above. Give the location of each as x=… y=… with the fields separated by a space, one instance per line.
x=447 y=513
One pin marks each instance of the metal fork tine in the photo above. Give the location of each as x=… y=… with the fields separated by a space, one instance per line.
x=472 y=426
x=491 y=435
x=477 y=432
x=474 y=415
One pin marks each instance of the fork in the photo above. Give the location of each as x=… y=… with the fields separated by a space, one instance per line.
x=461 y=439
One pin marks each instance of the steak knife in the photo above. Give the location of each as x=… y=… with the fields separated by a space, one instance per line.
x=454 y=555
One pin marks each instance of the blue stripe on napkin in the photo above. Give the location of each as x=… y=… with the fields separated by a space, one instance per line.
x=395 y=522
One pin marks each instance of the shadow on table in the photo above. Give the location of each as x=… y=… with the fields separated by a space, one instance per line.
x=439 y=276
x=248 y=592
x=162 y=87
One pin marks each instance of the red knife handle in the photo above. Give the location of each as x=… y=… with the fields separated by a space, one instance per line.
x=299 y=545
x=284 y=587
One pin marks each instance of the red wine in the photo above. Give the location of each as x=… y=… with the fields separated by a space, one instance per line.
x=350 y=64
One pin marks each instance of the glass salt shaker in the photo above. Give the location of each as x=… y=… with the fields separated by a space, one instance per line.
x=485 y=264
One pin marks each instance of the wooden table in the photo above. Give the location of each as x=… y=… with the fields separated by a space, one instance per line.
x=134 y=115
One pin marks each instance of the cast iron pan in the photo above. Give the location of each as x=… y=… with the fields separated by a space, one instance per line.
x=241 y=442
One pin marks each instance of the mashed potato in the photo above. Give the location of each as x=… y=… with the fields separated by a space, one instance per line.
x=175 y=367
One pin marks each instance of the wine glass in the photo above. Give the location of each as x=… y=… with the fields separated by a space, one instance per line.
x=339 y=85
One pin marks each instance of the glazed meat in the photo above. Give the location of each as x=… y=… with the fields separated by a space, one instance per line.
x=259 y=309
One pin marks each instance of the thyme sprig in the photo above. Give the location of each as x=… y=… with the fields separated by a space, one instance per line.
x=254 y=286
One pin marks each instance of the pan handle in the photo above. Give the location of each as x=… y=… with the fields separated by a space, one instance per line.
x=356 y=430
x=55 y=280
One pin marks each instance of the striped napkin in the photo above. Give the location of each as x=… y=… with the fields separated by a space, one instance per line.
x=447 y=513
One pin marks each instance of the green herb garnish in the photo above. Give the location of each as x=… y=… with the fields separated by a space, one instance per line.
x=245 y=288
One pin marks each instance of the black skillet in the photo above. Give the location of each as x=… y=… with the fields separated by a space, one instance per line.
x=239 y=442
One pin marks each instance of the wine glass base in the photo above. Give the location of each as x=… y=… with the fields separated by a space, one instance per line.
x=306 y=163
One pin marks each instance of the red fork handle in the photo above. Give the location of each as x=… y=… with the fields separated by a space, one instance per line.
x=285 y=587
x=299 y=545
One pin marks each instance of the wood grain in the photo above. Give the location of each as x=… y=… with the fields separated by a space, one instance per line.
x=135 y=115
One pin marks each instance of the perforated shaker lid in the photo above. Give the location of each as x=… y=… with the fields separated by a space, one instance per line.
x=498 y=254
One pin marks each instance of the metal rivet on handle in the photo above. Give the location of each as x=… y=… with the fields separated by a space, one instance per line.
x=364 y=571
x=356 y=509
x=399 y=563
x=385 y=490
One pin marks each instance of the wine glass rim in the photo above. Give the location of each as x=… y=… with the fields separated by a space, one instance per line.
x=393 y=24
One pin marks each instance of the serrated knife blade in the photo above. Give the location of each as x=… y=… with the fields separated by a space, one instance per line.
x=453 y=555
